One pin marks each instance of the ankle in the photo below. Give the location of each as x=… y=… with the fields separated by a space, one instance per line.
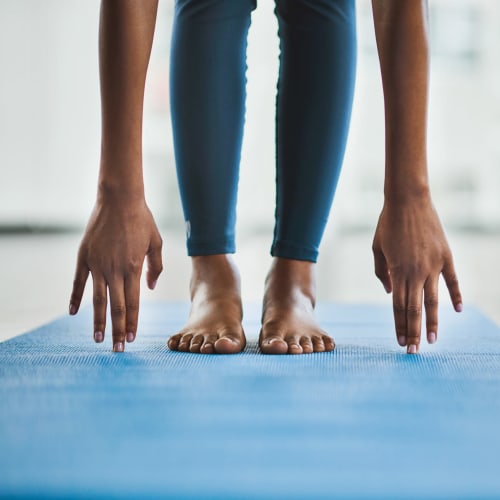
x=290 y=279
x=216 y=275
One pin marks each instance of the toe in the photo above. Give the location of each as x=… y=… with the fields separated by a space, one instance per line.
x=328 y=343
x=173 y=342
x=294 y=346
x=229 y=344
x=208 y=344
x=196 y=343
x=273 y=345
x=306 y=344
x=185 y=342
x=318 y=344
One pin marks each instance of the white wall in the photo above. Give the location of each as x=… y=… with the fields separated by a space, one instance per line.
x=49 y=117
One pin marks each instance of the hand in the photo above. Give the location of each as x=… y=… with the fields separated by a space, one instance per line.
x=118 y=237
x=411 y=251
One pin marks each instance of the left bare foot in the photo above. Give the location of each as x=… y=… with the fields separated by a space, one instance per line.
x=288 y=323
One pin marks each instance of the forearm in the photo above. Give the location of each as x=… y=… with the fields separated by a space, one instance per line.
x=125 y=38
x=401 y=28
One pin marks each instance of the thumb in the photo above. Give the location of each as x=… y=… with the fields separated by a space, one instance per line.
x=154 y=261
x=450 y=277
x=381 y=269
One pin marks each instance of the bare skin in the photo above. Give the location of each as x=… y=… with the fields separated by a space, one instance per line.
x=288 y=323
x=214 y=324
x=121 y=232
x=409 y=247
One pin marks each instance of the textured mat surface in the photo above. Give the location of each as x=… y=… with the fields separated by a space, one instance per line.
x=364 y=421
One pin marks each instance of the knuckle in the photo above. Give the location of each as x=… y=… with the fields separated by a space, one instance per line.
x=118 y=310
x=99 y=300
x=413 y=311
x=431 y=300
x=134 y=266
x=132 y=307
x=399 y=308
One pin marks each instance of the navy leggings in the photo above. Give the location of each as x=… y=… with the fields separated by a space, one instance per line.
x=313 y=107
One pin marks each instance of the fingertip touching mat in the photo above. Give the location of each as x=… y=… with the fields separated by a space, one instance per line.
x=366 y=421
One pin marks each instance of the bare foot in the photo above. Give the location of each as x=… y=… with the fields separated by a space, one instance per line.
x=214 y=324
x=288 y=324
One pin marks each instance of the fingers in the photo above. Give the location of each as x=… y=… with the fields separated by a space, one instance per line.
x=413 y=316
x=399 y=309
x=381 y=269
x=407 y=309
x=155 y=265
x=118 y=313
x=100 y=303
x=81 y=275
x=132 y=293
x=124 y=293
x=451 y=281
x=431 y=308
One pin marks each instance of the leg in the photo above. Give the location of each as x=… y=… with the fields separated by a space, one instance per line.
x=315 y=89
x=208 y=104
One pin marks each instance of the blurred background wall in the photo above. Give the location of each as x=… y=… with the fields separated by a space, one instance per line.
x=49 y=118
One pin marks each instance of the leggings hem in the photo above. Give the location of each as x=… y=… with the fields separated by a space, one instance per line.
x=202 y=249
x=289 y=250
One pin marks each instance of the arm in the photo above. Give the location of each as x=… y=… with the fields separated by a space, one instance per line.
x=121 y=231
x=410 y=248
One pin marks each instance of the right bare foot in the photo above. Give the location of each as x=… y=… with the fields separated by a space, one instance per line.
x=214 y=324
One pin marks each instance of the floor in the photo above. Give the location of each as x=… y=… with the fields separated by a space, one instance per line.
x=37 y=271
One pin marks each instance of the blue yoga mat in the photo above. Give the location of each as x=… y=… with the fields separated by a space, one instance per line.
x=77 y=421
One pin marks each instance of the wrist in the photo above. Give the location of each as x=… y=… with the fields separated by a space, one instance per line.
x=113 y=191
x=407 y=193
x=406 y=177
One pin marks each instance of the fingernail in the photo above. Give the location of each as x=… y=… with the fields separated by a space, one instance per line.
x=153 y=285
x=130 y=336
x=98 y=337
x=118 y=347
x=432 y=338
x=459 y=307
x=412 y=349
x=402 y=340
x=72 y=309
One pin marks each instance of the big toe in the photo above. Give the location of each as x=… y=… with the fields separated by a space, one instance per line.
x=229 y=345
x=273 y=345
